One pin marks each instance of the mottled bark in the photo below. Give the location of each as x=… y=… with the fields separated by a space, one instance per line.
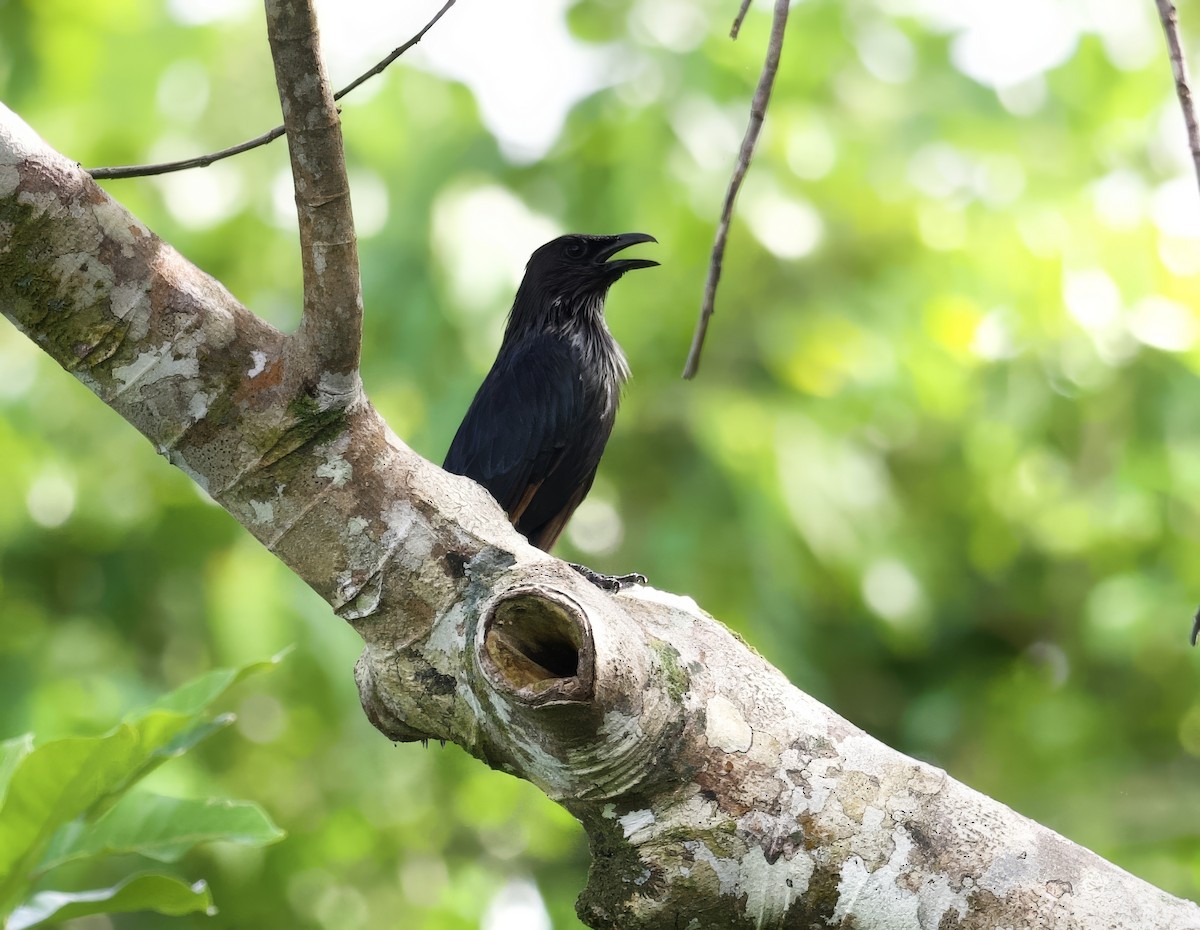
x=715 y=794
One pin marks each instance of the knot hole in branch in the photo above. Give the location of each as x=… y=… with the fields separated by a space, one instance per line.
x=537 y=647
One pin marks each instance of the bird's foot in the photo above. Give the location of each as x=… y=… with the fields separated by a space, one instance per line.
x=1196 y=627
x=610 y=583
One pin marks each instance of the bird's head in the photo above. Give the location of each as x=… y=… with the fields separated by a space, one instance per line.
x=576 y=267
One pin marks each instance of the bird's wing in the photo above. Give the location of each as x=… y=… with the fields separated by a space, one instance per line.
x=525 y=414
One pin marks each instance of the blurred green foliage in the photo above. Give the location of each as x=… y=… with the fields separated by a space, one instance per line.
x=68 y=805
x=941 y=463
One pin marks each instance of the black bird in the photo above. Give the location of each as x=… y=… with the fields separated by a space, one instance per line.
x=536 y=430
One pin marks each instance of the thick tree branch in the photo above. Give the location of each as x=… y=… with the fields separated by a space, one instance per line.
x=715 y=795
x=1170 y=23
x=203 y=161
x=330 y=335
x=758 y=112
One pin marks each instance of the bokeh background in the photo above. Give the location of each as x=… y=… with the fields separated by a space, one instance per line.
x=941 y=464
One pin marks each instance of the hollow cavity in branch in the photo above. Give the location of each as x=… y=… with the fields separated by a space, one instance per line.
x=203 y=161
x=758 y=111
x=536 y=647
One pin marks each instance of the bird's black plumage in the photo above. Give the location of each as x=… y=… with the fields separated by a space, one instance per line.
x=535 y=432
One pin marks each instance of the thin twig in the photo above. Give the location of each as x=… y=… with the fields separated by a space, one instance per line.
x=200 y=161
x=1170 y=23
x=395 y=54
x=203 y=161
x=737 y=20
x=758 y=111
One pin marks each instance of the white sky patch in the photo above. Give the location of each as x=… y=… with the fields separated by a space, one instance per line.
x=811 y=151
x=596 y=527
x=941 y=227
x=261 y=718
x=939 y=170
x=676 y=25
x=519 y=60
x=891 y=590
x=1023 y=98
x=517 y=906
x=834 y=491
x=886 y=52
x=1180 y=255
x=51 y=499
x=369 y=198
x=283 y=200
x=182 y=92
x=788 y=227
x=1163 y=324
x=1044 y=232
x=199 y=12
x=18 y=361
x=994 y=339
x=998 y=180
x=1131 y=37
x=1120 y=199
x=202 y=199
x=1092 y=298
x=483 y=236
x=1175 y=207
x=995 y=44
x=423 y=879
x=710 y=134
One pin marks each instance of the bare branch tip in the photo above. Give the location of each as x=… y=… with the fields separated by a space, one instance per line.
x=737 y=21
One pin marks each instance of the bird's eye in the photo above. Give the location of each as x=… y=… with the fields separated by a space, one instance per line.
x=575 y=249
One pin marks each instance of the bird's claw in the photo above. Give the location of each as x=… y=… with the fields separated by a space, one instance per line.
x=610 y=583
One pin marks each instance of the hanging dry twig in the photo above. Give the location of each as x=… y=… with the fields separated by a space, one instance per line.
x=758 y=110
x=1170 y=23
x=737 y=20
x=203 y=161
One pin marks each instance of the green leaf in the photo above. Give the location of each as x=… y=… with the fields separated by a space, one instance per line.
x=65 y=779
x=12 y=751
x=197 y=695
x=194 y=735
x=163 y=828
x=148 y=892
x=56 y=783
x=177 y=721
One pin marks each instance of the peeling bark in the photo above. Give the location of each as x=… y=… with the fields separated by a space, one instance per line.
x=714 y=794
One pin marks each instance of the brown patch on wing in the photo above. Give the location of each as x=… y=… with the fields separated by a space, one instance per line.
x=547 y=534
x=515 y=514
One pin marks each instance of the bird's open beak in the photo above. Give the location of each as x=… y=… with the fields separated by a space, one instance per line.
x=621 y=265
